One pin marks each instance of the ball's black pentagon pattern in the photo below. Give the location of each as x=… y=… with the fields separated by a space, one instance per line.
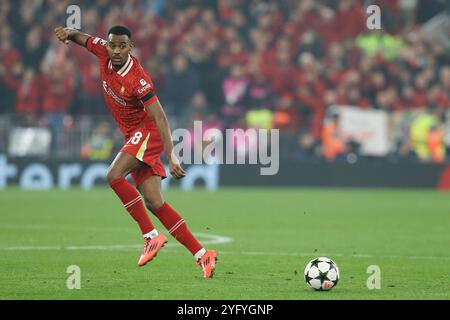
x=317 y=270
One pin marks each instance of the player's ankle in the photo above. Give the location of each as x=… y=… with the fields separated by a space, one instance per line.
x=151 y=234
x=199 y=254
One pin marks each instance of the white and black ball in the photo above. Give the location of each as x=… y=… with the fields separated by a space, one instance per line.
x=322 y=274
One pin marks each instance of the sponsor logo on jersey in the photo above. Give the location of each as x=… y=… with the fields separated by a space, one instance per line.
x=109 y=91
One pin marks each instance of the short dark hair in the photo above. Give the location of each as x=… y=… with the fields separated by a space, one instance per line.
x=120 y=30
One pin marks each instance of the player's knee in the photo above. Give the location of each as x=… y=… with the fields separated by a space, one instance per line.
x=153 y=204
x=112 y=175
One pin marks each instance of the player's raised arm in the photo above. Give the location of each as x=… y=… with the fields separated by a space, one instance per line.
x=66 y=34
x=158 y=115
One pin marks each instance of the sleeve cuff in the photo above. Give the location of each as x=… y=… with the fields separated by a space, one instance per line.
x=150 y=101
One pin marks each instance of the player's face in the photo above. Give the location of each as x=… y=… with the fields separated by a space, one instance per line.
x=119 y=46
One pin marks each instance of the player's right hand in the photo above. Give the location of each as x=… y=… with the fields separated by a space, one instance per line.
x=62 y=34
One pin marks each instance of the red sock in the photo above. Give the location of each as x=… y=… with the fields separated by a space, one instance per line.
x=173 y=222
x=133 y=203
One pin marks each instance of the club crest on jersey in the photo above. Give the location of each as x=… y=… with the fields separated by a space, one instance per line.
x=109 y=91
x=122 y=90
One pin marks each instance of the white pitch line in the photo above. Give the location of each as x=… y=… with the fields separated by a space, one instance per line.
x=72 y=248
x=205 y=238
x=65 y=227
x=218 y=240
x=322 y=254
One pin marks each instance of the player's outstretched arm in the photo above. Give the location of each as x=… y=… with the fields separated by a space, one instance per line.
x=66 y=34
x=157 y=113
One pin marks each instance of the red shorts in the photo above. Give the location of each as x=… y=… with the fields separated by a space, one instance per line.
x=145 y=144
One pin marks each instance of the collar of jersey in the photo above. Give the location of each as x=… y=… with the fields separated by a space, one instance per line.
x=125 y=68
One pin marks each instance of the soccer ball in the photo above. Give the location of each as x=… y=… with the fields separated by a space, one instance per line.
x=322 y=274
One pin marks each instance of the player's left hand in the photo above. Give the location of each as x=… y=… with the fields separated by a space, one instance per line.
x=175 y=168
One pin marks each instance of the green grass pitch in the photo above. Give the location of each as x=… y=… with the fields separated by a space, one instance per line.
x=265 y=237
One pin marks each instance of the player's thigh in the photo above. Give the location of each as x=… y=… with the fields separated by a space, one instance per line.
x=121 y=166
x=150 y=189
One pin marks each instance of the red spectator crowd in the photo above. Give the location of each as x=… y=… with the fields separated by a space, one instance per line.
x=218 y=60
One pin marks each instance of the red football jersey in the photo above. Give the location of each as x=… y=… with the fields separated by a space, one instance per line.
x=127 y=92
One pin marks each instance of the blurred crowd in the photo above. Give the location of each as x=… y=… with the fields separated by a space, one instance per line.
x=233 y=63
